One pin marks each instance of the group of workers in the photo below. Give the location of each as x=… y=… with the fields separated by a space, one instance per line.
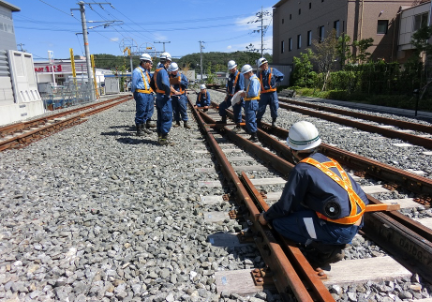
x=321 y=207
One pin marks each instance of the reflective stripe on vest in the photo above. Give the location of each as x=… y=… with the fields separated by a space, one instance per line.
x=234 y=85
x=155 y=81
x=269 y=79
x=345 y=183
x=147 y=90
x=247 y=91
x=181 y=90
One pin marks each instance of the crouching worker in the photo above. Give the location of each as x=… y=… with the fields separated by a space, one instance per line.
x=321 y=206
x=203 y=98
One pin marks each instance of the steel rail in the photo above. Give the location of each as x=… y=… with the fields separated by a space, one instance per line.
x=418 y=237
x=21 y=126
x=414 y=139
x=286 y=278
x=378 y=119
x=25 y=139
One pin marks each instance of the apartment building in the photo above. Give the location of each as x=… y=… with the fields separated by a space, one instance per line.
x=298 y=23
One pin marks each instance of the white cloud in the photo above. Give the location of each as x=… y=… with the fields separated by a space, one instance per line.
x=246 y=23
x=229 y=47
x=115 y=39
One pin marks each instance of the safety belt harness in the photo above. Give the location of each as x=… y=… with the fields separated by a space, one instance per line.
x=345 y=183
x=155 y=81
x=269 y=79
x=147 y=89
x=234 y=85
x=247 y=91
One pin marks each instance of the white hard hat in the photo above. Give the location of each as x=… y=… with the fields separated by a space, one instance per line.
x=246 y=68
x=261 y=61
x=231 y=64
x=146 y=57
x=165 y=56
x=303 y=136
x=172 y=67
x=202 y=86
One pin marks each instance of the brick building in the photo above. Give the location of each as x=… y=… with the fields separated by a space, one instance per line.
x=297 y=23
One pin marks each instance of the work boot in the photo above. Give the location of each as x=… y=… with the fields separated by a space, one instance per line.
x=223 y=120
x=150 y=125
x=147 y=131
x=274 y=122
x=177 y=124
x=164 y=141
x=140 y=129
x=253 y=137
x=186 y=125
x=237 y=128
x=321 y=255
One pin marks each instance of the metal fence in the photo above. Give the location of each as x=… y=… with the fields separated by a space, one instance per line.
x=71 y=94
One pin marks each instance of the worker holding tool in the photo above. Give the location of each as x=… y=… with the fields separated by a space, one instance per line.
x=251 y=97
x=203 y=98
x=268 y=78
x=235 y=83
x=321 y=206
x=179 y=83
x=142 y=92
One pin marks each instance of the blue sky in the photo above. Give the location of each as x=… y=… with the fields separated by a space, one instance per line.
x=44 y=25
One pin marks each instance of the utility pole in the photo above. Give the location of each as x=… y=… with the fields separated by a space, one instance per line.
x=21 y=47
x=201 y=61
x=163 y=44
x=262 y=32
x=86 y=44
x=262 y=28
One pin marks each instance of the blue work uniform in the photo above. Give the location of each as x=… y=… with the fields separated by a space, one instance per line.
x=203 y=99
x=235 y=83
x=268 y=79
x=180 y=101
x=251 y=103
x=307 y=192
x=163 y=101
x=143 y=94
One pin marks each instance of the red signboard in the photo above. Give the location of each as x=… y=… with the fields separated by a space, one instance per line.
x=49 y=68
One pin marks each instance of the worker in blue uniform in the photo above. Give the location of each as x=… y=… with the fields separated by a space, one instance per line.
x=251 y=97
x=203 y=98
x=163 y=100
x=321 y=206
x=235 y=83
x=142 y=92
x=180 y=83
x=268 y=77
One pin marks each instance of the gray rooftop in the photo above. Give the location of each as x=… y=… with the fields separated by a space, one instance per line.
x=9 y=6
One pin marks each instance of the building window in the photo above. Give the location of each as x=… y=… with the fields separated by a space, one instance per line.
x=283 y=21
x=299 y=42
x=299 y=11
x=336 y=26
x=382 y=27
x=420 y=21
x=290 y=16
x=289 y=44
x=310 y=5
x=321 y=33
x=309 y=38
x=282 y=46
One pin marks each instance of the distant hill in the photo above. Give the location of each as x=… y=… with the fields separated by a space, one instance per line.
x=217 y=60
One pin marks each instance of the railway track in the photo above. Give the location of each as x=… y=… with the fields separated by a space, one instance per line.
x=407 y=240
x=22 y=134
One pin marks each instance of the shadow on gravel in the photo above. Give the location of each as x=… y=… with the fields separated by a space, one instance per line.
x=135 y=141
x=116 y=133
x=125 y=127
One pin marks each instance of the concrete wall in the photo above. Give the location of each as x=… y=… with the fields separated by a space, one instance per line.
x=407 y=26
x=7 y=32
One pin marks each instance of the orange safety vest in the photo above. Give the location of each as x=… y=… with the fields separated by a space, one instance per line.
x=155 y=81
x=269 y=79
x=179 y=80
x=345 y=183
x=234 y=85
x=147 y=90
x=247 y=91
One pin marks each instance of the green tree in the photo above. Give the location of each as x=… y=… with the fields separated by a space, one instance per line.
x=362 y=45
x=343 y=49
x=325 y=54
x=420 y=40
x=303 y=74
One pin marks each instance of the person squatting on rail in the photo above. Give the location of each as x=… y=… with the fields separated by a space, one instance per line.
x=235 y=83
x=143 y=94
x=203 y=98
x=180 y=83
x=251 y=97
x=268 y=78
x=321 y=206
x=163 y=90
